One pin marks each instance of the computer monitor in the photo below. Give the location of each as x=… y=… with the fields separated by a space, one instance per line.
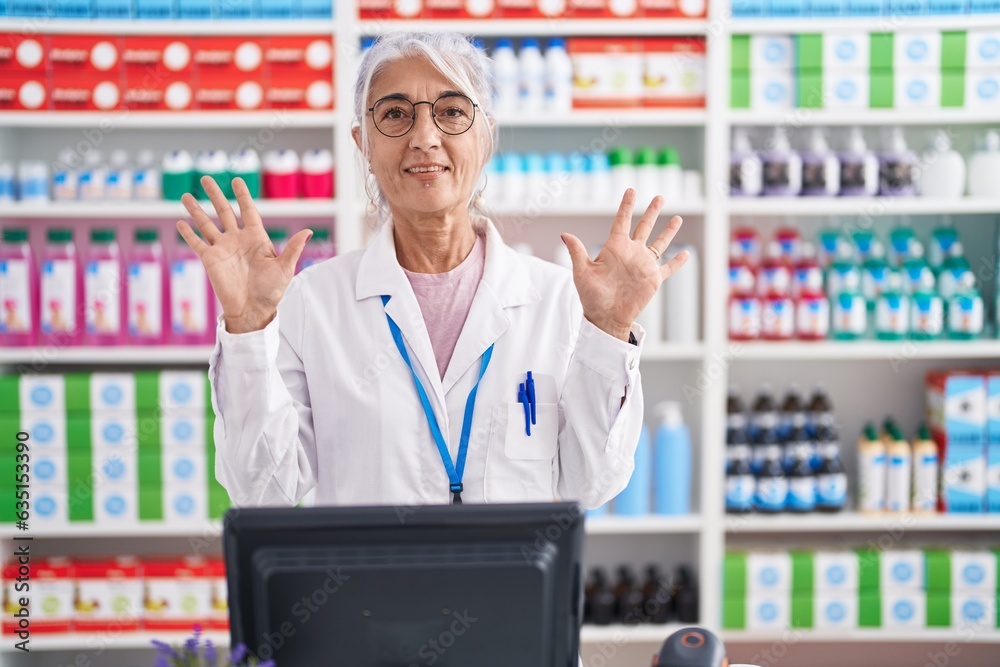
x=450 y=585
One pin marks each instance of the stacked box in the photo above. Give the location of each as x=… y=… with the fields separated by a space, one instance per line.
x=962 y=589
x=956 y=413
x=763 y=72
x=115 y=417
x=993 y=442
x=767 y=590
x=982 y=68
x=837 y=580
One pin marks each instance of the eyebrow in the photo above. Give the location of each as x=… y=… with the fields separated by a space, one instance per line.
x=402 y=96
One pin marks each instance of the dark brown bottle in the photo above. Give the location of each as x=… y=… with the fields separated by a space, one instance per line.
x=629 y=596
x=656 y=592
x=603 y=604
x=685 y=595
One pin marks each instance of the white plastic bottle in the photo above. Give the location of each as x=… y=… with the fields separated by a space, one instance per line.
x=119 y=176
x=146 y=183
x=681 y=298
x=671 y=175
x=532 y=68
x=66 y=177
x=33 y=181
x=507 y=77
x=984 y=168
x=745 y=166
x=858 y=167
x=943 y=170
x=513 y=180
x=558 y=77
x=93 y=178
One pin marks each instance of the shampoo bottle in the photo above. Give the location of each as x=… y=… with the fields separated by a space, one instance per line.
x=820 y=167
x=635 y=499
x=782 y=166
x=871 y=471
x=745 y=167
x=943 y=171
x=61 y=290
x=858 y=167
x=896 y=166
x=984 y=168
x=672 y=462
x=18 y=289
x=925 y=472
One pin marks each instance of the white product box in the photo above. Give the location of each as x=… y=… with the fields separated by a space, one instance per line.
x=769 y=572
x=42 y=393
x=846 y=89
x=835 y=572
x=177 y=599
x=183 y=430
x=185 y=502
x=771 y=52
x=112 y=392
x=974 y=571
x=902 y=570
x=917 y=88
x=846 y=50
x=904 y=609
x=182 y=390
x=115 y=505
x=184 y=466
x=982 y=48
x=982 y=89
x=48 y=469
x=835 y=610
x=772 y=89
x=114 y=467
x=973 y=610
x=48 y=504
x=108 y=599
x=115 y=430
x=47 y=431
x=917 y=49
x=768 y=611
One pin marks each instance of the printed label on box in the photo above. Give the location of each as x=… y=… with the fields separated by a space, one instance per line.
x=904 y=609
x=974 y=571
x=114 y=430
x=84 y=92
x=184 y=467
x=768 y=611
x=769 y=572
x=185 y=502
x=112 y=391
x=47 y=430
x=229 y=56
x=964 y=478
x=23 y=53
x=115 y=505
x=48 y=504
x=982 y=90
x=835 y=571
x=84 y=54
x=108 y=592
x=845 y=89
x=982 y=48
x=902 y=569
x=772 y=52
x=148 y=58
x=50 y=595
x=227 y=93
x=43 y=393
x=917 y=88
x=849 y=50
x=674 y=72
x=606 y=72
x=23 y=92
x=182 y=390
x=302 y=91
x=917 y=49
x=974 y=610
x=772 y=89
x=183 y=431
x=835 y=611
x=115 y=468
x=167 y=94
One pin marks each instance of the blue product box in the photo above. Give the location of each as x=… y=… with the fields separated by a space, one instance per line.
x=864 y=7
x=907 y=7
x=828 y=7
x=993 y=443
x=782 y=8
x=72 y=9
x=234 y=9
x=155 y=9
x=194 y=9
x=3 y=7
x=946 y=6
x=317 y=9
x=964 y=479
x=111 y=9
x=749 y=8
x=29 y=8
x=984 y=6
x=280 y=9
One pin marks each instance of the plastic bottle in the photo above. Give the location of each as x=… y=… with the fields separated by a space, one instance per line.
x=558 y=77
x=782 y=167
x=925 y=472
x=636 y=498
x=777 y=308
x=740 y=482
x=18 y=290
x=578 y=187
x=866 y=245
x=942 y=240
x=647 y=175
x=178 y=175
x=672 y=462
x=556 y=177
x=682 y=300
x=876 y=275
x=831 y=480
x=819 y=412
x=848 y=309
x=792 y=414
x=820 y=167
x=622 y=171
x=772 y=486
x=507 y=74
x=214 y=163
x=532 y=77
x=7 y=183
x=984 y=168
x=966 y=316
x=926 y=310
x=812 y=309
x=801 y=478
x=120 y=176
x=191 y=299
x=745 y=245
x=601 y=193
x=775 y=274
x=245 y=164
x=829 y=242
x=61 y=290
x=900 y=463
x=763 y=424
x=858 y=167
x=534 y=172
x=66 y=177
x=892 y=311
x=33 y=181
x=104 y=289
x=943 y=170
x=953 y=272
x=318 y=249
x=317 y=174
x=746 y=169
x=896 y=166
x=902 y=244
x=671 y=174
x=147 y=182
x=146 y=289
x=744 y=304
x=871 y=471
x=806 y=275
x=790 y=244
x=513 y=180
x=915 y=271
x=843 y=269
x=282 y=177
x=93 y=178
x=656 y=596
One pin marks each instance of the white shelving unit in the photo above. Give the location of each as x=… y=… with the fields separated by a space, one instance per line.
x=168 y=120
x=268 y=208
x=820 y=206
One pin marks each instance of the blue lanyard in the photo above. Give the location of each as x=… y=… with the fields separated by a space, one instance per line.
x=457 y=470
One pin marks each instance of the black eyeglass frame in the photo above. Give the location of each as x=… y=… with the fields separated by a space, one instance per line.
x=413 y=118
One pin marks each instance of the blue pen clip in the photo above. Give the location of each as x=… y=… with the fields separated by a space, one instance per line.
x=522 y=398
x=530 y=387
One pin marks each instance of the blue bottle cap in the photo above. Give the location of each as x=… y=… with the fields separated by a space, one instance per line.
x=512 y=162
x=556 y=42
x=534 y=162
x=599 y=161
x=555 y=162
x=505 y=43
x=529 y=42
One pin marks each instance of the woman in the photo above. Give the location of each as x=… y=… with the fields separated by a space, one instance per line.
x=399 y=374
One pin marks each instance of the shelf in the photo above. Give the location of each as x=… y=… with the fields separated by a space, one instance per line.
x=268 y=208
x=108 y=120
x=646 y=633
x=810 y=117
x=856 y=523
x=806 y=24
x=890 y=351
x=964 y=635
x=556 y=27
x=559 y=210
x=644 y=525
x=97 y=641
x=46 y=26
x=693 y=117
x=98 y=356
x=857 y=206
x=88 y=530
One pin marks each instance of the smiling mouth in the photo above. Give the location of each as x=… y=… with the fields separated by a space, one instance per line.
x=425 y=170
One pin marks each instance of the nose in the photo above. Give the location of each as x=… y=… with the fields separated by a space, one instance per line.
x=425 y=133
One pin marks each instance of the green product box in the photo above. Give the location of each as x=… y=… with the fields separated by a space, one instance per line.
x=953 y=88
x=77 y=393
x=734 y=573
x=869 y=609
x=802 y=573
x=953 y=50
x=147 y=390
x=938 y=609
x=868 y=571
x=78 y=433
x=150 y=503
x=739 y=90
x=802 y=609
x=809 y=51
x=809 y=89
x=740 y=53
x=734 y=610
x=10 y=396
x=881 y=89
x=938 y=569
x=881 y=51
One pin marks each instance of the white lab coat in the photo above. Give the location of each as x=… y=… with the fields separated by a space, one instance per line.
x=321 y=397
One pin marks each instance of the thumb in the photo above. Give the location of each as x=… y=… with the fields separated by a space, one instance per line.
x=577 y=251
x=290 y=255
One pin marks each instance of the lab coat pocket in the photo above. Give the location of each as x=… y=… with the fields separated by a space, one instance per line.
x=544 y=433
x=517 y=471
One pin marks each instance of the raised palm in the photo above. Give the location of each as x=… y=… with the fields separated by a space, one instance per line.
x=248 y=276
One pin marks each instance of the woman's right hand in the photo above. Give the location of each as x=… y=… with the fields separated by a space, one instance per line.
x=248 y=276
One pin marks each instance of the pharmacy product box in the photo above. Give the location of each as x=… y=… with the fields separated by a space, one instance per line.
x=458 y=9
x=772 y=52
x=184 y=503
x=819 y=8
x=178 y=593
x=938 y=609
x=42 y=393
x=898 y=8
x=982 y=89
x=982 y=48
x=949 y=7
x=974 y=610
x=108 y=595
x=280 y=9
x=902 y=569
x=300 y=91
x=115 y=506
x=809 y=89
x=84 y=54
x=224 y=92
x=864 y=7
x=23 y=53
x=917 y=88
x=48 y=468
x=904 y=608
x=148 y=58
x=184 y=467
x=112 y=392
x=606 y=72
x=47 y=432
x=220 y=595
x=184 y=431
x=320 y=9
x=154 y=9
x=229 y=56
x=835 y=572
x=956 y=406
x=768 y=610
x=168 y=93
x=846 y=89
x=962 y=570
x=384 y=9
x=748 y=9
x=111 y=9
x=71 y=9
x=674 y=72
x=835 y=610
x=49 y=505
x=50 y=596
x=788 y=8
x=993 y=444
x=236 y=9
x=672 y=8
x=913 y=48
x=114 y=430
x=984 y=6
x=290 y=55
x=183 y=390
x=848 y=50
x=772 y=89
x=85 y=92
x=115 y=468
x=769 y=571
x=194 y=9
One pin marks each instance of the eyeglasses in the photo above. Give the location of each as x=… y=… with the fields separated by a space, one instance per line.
x=453 y=113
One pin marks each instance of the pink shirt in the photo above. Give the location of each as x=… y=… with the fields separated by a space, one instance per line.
x=445 y=300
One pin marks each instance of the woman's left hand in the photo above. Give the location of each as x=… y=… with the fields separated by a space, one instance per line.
x=615 y=286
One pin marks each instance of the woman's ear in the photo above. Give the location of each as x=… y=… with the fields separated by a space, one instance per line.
x=356 y=135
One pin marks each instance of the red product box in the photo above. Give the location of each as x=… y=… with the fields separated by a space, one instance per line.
x=85 y=54
x=48 y=589
x=109 y=595
x=376 y=9
x=149 y=59
x=23 y=53
x=674 y=72
x=178 y=593
x=228 y=93
x=301 y=91
x=607 y=72
x=288 y=56
x=518 y=9
x=86 y=92
x=173 y=93
x=23 y=91
x=602 y=9
x=460 y=9
x=220 y=595
x=672 y=8
x=229 y=56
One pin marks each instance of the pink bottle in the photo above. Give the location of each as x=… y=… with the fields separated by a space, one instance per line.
x=790 y=242
x=191 y=300
x=812 y=309
x=317 y=174
x=61 y=289
x=281 y=174
x=745 y=245
x=18 y=290
x=775 y=275
x=318 y=248
x=744 y=306
x=777 y=318
x=807 y=271
x=146 y=290
x=103 y=290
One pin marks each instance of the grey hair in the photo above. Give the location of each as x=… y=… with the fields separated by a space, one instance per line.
x=452 y=54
